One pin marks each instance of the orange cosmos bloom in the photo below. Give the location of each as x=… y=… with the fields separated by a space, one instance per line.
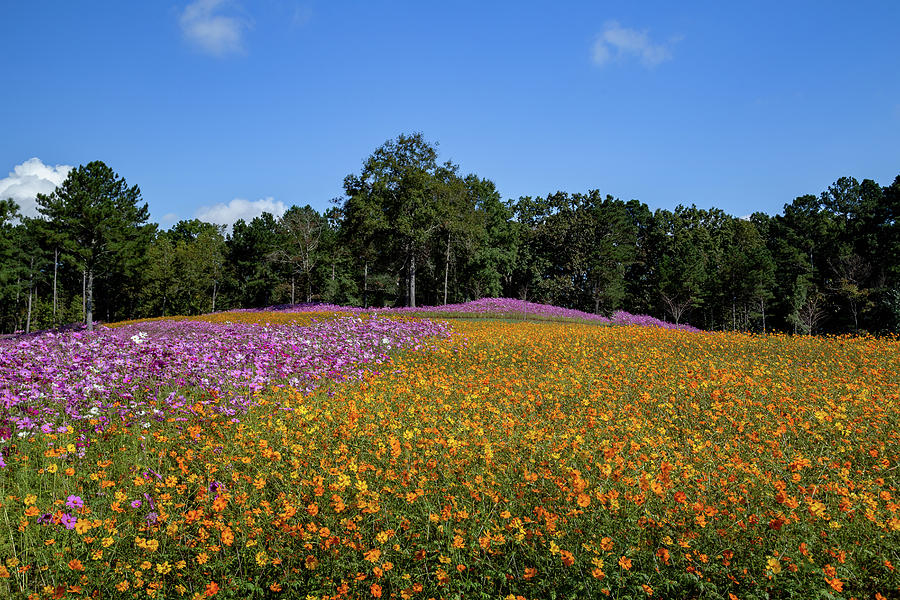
x=76 y=565
x=625 y=563
x=372 y=555
x=530 y=572
x=376 y=590
x=211 y=590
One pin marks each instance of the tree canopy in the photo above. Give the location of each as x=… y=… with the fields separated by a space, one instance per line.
x=411 y=229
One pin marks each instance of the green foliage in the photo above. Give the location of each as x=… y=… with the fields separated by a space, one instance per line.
x=411 y=230
x=96 y=220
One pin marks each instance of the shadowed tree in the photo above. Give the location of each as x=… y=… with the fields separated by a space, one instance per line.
x=392 y=207
x=100 y=224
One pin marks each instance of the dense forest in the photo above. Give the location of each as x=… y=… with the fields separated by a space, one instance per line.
x=412 y=231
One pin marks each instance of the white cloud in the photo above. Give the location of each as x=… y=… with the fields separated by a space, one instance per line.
x=168 y=219
x=28 y=180
x=214 y=33
x=617 y=43
x=227 y=214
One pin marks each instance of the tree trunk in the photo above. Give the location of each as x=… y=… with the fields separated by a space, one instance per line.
x=292 y=289
x=412 y=279
x=366 y=285
x=55 y=264
x=84 y=295
x=28 y=318
x=214 y=296
x=446 y=268
x=762 y=308
x=89 y=301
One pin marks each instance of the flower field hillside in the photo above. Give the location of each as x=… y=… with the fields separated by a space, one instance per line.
x=350 y=455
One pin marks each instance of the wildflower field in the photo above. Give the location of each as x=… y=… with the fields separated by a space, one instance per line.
x=344 y=454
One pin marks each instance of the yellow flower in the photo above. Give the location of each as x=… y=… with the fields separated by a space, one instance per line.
x=82 y=526
x=30 y=499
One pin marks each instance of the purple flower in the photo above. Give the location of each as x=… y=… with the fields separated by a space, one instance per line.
x=136 y=504
x=68 y=520
x=74 y=502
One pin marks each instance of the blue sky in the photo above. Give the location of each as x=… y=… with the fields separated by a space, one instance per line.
x=223 y=108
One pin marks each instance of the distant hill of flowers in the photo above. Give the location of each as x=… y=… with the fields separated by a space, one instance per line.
x=494 y=307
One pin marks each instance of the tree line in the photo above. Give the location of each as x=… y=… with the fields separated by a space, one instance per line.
x=412 y=231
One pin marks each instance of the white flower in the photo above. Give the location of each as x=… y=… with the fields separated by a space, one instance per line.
x=139 y=338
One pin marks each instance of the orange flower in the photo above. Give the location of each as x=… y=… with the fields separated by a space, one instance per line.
x=530 y=572
x=375 y=589
x=606 y=543
x=76 y=565
x=275 y=587
x=625 y=563
x=567 y=557
x=227 y=536
x=836 y=584
x=219 y=504
x=193 y=515
x=211 y=590
x=647 y=589
x=372 y=555
x=584 y=500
